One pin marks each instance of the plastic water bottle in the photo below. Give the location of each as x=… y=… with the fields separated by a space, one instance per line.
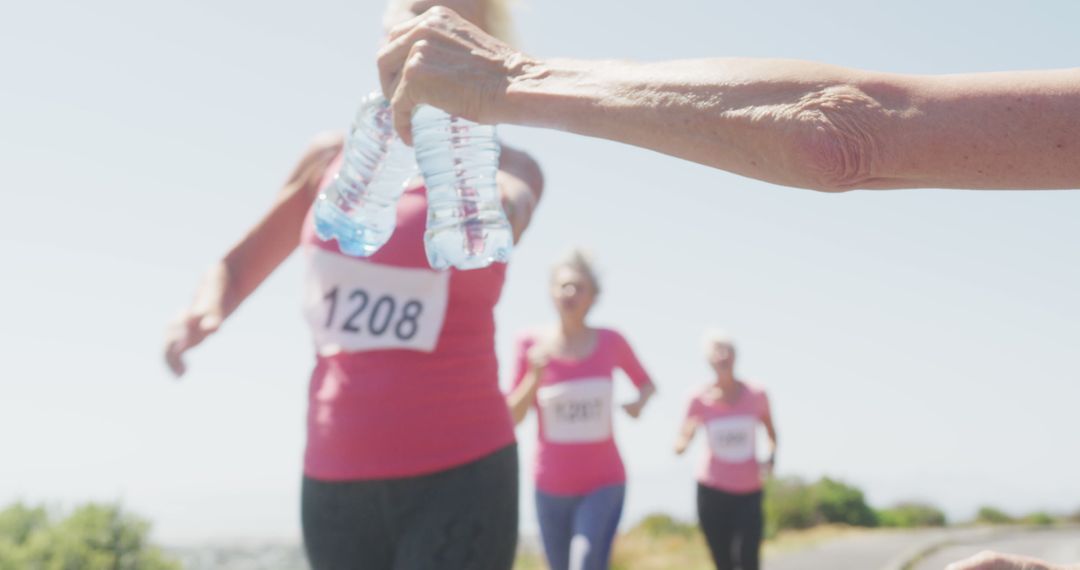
x=466 y=225
x=359 y=207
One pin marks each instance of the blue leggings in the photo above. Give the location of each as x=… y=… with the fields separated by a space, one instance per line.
x=578 y=530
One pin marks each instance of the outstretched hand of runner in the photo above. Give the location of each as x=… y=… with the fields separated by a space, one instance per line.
x=187 y=331
x=199 y=321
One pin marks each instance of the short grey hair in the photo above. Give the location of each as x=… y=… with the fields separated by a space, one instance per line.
x=714 y=336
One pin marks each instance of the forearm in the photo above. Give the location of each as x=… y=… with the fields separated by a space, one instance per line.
x=227 y=284
x=686 y=435
x=645 y=393
x=682 y=443
x=752 y=117
x=249 y=264
x=770 y=431
x=521 y=397
x=817 y=126
x=210 y=296
x=258 y=254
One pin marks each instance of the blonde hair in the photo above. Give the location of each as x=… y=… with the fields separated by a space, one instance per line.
x=581 y=261
x=500 y=23
x=497 y=19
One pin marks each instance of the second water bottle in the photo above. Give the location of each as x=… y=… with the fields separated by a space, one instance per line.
x=466 y=225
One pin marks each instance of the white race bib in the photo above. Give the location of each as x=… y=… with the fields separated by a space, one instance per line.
x=353 y=305
x=578 y=411
x=732 y=438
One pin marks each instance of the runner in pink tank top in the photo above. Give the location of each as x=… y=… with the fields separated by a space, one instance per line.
x=407 y=429
x=410 y=461
x=406 y=379
x=729 y=496
x=567 y=375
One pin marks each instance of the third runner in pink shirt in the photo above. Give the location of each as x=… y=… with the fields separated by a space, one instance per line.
x=567 y=374
x=729 y=494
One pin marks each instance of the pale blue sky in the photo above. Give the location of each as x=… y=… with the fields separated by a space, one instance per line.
x=921 y=344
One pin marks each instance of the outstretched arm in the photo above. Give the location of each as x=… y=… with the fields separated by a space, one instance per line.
x=794 y=123
x=233 y=278
x=686 y=434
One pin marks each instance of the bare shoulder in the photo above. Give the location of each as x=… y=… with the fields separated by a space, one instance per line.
x=326 y=143
x=310 y=169
x=614 y=335
x=700 y=395
x=511 y=156
x=753 y=387
x=320 y=151
x=523 y=166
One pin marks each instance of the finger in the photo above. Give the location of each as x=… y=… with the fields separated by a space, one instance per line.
x=390 y=60
x=174 y=359
x=185 y=335
x=433 y=16
x=403 y=103
x=394 y=54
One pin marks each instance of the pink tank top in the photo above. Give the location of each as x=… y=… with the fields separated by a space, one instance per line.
x=730 y=463
x=577 y=454
x=406 y=377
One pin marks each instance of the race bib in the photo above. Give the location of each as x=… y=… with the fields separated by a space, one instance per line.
x=353 y=305
x=732 y=438
x=576 y=412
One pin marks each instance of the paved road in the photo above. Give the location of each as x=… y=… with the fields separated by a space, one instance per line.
x=875 y=550
x=878 y=550
x=1060 y=546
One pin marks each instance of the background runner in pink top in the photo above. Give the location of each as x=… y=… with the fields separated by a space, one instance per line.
x=406 y=377
x=730 y=463
x=574 y=402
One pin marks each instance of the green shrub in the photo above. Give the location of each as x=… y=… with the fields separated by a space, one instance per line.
x=1040 y=519
x=789 y=504
x=843 y=504
x=19 y=521
x=660 y=525
x=911 y=515
x=93 y=537
x=991 y=515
